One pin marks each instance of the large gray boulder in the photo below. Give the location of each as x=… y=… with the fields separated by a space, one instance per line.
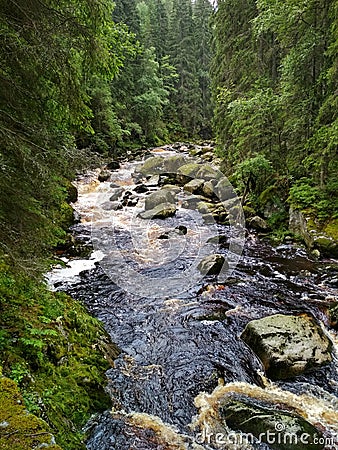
x=158 y=197
x=162 y=211
x=151 y=166
x=288 y=345
x=281 y=429
x=173 y=163
x=212 y=264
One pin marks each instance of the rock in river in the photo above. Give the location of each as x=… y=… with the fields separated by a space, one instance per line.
x=288 y=345
x=161 y=211
x=281 y=429
x=158 y=197
x=212 y=264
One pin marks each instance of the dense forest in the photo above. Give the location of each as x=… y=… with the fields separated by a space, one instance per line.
x=83 y=81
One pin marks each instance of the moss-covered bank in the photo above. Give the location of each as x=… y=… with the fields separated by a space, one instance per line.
x=56 y=353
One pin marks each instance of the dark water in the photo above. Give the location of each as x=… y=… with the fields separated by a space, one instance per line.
x=175 y=349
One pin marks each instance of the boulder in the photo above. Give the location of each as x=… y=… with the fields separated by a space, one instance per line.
x=111 y=206
x=173 y=163
x=192 y=201
x=104 y=175
x=172 y=188
x=116 y=194
x=187 y=172
x=288 y=345
x=318 y=236
x=152 y=166
x=141 y=189
x=258 y=223
x=194 y=186
x=212 y=264
x=208 y=189
x=207 y=173
x=161 y=211
x=158 y=197
x=281 y=429
x=224 y=190
x=113 y=165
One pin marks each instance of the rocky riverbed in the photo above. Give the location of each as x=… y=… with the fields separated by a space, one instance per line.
x=227 y=341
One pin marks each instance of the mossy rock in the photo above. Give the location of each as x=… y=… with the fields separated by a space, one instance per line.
x=20 y=430
x=152 y=166
x=281 y=429
x=187 y=172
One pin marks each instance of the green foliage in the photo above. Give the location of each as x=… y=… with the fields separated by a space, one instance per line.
x=53 y=349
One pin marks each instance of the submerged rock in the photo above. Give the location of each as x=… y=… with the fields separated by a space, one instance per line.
x=281 y=430
x=212 y=264
x=161 y=211
x=288 y=345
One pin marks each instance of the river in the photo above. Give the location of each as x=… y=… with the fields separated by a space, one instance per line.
x=181 y=346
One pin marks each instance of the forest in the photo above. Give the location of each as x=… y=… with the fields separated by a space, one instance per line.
x=85 y=81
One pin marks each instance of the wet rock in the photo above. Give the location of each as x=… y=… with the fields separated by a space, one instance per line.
x=113 y=165
x=333 y=315
x=141 y=189
x=194 y=186
x=111 y=206
x=180 y=230
x=117 y=193
x=152 y=166
x=153 y=181
x=187 y=172
x=72 y=193
x=280 y=429
x=288 y=345
x=258 y=223
x=159 y=197
x=129 y=199
x=161 y=211
x=212 y=264
x=104 y=175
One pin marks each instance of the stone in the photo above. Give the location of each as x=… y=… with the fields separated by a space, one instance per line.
x=258 y=223
x=194 y=186
x=288 y=345
x=187 y=172
x=152 y=166
x=141 y=189
x=208 y=189
x=192 y=201
x=224 y=190
x=212 y=264
x=153 y=181
x=104 y=175
x=282 y=430
x=207 y=173
x=173 y=163
x=111 y=206
x=172 y=188
x=116 y=194
x=161 y=211
x=113 y=165
x=158 y=197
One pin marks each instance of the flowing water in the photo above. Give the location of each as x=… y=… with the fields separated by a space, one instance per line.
x=181 y=350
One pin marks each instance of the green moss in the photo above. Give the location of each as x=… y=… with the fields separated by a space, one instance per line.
x=20 y=430
x=331 y=229
x=56 y=352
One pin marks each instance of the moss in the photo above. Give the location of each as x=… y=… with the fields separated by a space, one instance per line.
x=20 y=430
x=331 y=229
x=56 y=352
